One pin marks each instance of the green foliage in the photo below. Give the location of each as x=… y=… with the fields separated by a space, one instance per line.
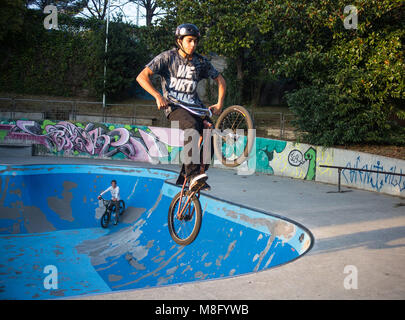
x=70 y=61
x=228 y=28
x=364 y=67
x=11 y=17
x=327 y=125
x=55 y=62
x=350 y=81
x=157 y=38
x=126 y=57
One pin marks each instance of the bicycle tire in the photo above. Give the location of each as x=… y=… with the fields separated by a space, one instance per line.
x=121 y=208
x=249 y=133
x=116 y=217
x=105 y=220
x=172 y=215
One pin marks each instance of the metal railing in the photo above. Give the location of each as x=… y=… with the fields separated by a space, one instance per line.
x=268 y=124
x=73 y=109
x=340 y=169
x=274 y=124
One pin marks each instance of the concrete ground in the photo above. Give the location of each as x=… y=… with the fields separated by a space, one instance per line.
x=359 y=250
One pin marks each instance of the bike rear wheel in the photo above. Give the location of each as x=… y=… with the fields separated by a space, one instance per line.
x=234 y=146
x=184 y=230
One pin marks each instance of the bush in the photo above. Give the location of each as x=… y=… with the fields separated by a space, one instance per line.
x=70 y=61
x=330 y=118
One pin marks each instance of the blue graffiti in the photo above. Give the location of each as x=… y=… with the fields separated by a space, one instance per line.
x=377 y=180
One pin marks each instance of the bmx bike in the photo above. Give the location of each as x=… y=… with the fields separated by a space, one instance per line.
x=110 y=207
x=233 y=139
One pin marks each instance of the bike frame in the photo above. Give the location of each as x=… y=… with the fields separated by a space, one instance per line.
x=190 y=196
x=204 y=112
x=226 y=134
x=107 y=203
x=182 y=207
x=194 y=109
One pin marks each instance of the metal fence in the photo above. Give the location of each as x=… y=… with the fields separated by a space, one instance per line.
x=268 y=124
x=75 y=110
x=274 y=124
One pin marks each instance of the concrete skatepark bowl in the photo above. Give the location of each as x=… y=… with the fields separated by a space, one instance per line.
x=52 y=244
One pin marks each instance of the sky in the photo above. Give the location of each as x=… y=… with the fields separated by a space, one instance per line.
x=130 y=10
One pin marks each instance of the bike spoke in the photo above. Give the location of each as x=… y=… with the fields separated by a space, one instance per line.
x=237 y=127
x=232 y=145
x=236 y=118
x=183 y=227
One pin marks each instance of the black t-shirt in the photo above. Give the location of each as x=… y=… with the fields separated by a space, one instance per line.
x=180 y=76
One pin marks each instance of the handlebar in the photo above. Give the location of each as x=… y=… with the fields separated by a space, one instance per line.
x=191 y=107
x=105 y=201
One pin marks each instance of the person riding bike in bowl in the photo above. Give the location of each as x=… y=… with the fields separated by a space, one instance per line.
x=115 y=195
x=181 y=69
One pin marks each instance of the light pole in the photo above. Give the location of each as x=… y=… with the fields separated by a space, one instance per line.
x=137 y=15
x=106 y=48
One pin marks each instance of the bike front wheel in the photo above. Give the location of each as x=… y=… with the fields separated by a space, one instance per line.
x=121 y=207
x=105 y=219
x=184 y=229
x=116 y=217
x=235 y=141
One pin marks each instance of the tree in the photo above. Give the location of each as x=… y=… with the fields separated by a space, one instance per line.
x=350 y=81
x=151 y=7
x=11 y=17
x=97 y=8
x=229 y=28
x=69 y=7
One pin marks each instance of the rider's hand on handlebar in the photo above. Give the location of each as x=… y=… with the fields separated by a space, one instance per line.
x=215 y=109
x=207 y=125
x=162 y=102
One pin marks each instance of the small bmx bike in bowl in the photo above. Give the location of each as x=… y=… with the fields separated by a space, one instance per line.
x=112 y=207
x=233 y=138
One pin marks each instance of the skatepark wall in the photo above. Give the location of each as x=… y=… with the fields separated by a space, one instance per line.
x=303 y=161
x=164 y=145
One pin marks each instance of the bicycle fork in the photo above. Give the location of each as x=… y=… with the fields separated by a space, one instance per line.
x=182 y=207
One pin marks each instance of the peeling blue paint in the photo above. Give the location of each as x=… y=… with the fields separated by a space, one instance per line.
x=50 y=216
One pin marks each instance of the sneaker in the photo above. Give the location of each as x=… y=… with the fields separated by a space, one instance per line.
x=198 y=181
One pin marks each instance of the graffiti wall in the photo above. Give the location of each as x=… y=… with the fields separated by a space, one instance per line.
x=373 y=181
x=302 y=161
x=64 y=138
x=284 y=158
x=164 y=145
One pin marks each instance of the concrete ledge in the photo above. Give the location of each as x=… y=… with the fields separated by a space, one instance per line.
x=16 y=150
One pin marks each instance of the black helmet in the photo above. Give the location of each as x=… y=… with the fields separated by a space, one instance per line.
x=187 y=29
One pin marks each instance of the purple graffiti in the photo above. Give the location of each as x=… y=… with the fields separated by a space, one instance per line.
x=67 y=137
